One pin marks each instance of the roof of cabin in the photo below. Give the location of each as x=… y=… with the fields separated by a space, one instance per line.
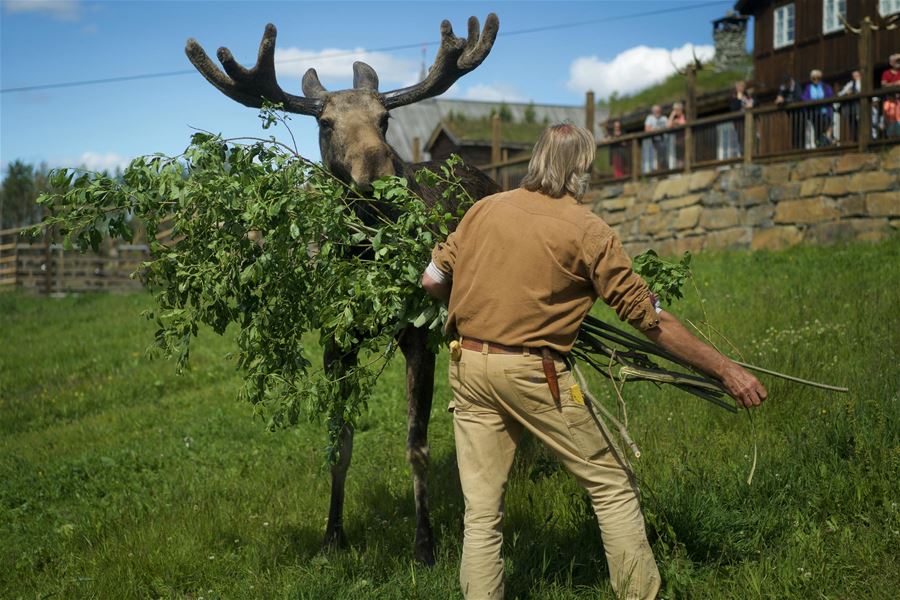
x=477 y=132
x=422 y=119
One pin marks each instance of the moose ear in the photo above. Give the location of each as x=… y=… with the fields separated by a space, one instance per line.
x=364 y=77
x=312 y=88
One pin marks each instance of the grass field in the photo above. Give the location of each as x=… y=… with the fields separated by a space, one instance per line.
x=119 y=479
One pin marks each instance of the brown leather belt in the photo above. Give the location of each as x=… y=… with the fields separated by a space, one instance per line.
x=495 y=348
x=547 y=356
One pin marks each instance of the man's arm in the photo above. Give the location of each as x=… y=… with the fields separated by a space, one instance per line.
x=437 y=289
x=671 y=335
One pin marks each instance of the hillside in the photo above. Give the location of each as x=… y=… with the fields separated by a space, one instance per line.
x=672 y=89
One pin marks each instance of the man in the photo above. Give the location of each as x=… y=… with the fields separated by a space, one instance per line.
x=851 y=112
x=788 y=93
x=520 y=273
x=654 y=148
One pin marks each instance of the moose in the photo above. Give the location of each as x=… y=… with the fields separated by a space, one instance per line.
x=352 y=127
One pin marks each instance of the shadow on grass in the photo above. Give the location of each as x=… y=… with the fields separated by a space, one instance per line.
x=562 y=548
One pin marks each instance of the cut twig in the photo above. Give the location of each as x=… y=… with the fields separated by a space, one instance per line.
x=623 y=430
x=815 y=384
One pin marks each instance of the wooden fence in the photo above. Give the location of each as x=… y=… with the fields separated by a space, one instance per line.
x=47 y=268
x=762 y=134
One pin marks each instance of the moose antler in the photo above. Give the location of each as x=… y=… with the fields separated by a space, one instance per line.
x=455 y=58
x=250 y=86
x=696 y=64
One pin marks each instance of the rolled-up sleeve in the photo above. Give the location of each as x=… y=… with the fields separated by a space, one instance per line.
x=444 y=254
x=617 y=284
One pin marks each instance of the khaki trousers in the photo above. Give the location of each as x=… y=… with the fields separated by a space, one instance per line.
x=496 y=397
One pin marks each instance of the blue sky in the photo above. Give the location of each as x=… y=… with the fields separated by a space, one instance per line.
x=104 y=125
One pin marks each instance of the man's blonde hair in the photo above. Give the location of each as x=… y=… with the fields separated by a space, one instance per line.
x=561 y=162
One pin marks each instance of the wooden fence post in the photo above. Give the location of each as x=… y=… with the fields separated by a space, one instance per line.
x=749 y=136
x=865 y=66
x=635 y=159
x=688 y=147
x=589 y=111
x=416 y=149
x=504 y=176
x=61 y=271
x=690 y=101
x=15 y=274
x=495 y=145
x=48 y=273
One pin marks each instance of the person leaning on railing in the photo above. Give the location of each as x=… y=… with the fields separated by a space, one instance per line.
x=653 y=149
x=675 y=142
x=617 y=152
x=788 y=93
x=819 y=118
x=891 y=103
x=847 y=115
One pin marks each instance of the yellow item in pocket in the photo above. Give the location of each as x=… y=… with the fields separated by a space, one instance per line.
x=577 y=397
x=455 y=351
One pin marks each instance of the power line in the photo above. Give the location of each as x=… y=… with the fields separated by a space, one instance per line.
x=84 y=82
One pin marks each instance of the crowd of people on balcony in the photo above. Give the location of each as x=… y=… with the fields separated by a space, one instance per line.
x=820 y=125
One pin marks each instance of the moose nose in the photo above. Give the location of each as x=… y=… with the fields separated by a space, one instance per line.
x=369 y=166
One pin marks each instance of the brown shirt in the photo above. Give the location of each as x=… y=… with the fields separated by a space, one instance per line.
x=527 y=268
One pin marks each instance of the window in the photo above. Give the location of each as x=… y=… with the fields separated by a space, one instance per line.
x=888 y=7
x=784 y=25
x=832 y=11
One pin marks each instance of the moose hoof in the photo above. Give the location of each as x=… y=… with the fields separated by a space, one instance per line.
x=334 y=540
x=425 y=556
x=423 y=551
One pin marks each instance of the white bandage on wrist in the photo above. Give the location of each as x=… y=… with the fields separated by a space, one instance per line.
x=436 y=274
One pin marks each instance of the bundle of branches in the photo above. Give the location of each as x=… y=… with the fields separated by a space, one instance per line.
x=262 y=241
x=619 y=355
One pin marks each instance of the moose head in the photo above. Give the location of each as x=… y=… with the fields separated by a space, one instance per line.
x=353 y=122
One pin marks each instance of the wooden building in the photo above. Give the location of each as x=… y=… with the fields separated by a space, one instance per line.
x=415 y=129
x=792 y=37
x=471 y=140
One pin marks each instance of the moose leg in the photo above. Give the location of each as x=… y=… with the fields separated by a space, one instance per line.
x=336 y=365
x=334 y=530
x=419 y=390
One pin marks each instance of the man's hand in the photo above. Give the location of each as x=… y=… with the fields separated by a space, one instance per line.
x=674 y=337
x=742 y=386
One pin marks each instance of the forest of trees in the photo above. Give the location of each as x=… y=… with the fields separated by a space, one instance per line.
x=22 y=184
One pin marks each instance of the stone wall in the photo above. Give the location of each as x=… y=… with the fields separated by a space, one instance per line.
x=817 y=200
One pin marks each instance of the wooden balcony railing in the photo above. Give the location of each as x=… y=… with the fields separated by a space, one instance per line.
x=757 y=135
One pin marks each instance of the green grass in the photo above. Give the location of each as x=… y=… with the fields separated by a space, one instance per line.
x=672 y=89
x=122 y=480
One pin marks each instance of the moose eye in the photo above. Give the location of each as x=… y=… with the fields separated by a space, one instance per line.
x=326 y=124
x=383 y=122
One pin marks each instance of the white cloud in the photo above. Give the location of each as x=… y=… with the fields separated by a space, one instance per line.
x=336 y=64
x=632 y=70
x=497 y=92
x=63 y=10
x=94 y=161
